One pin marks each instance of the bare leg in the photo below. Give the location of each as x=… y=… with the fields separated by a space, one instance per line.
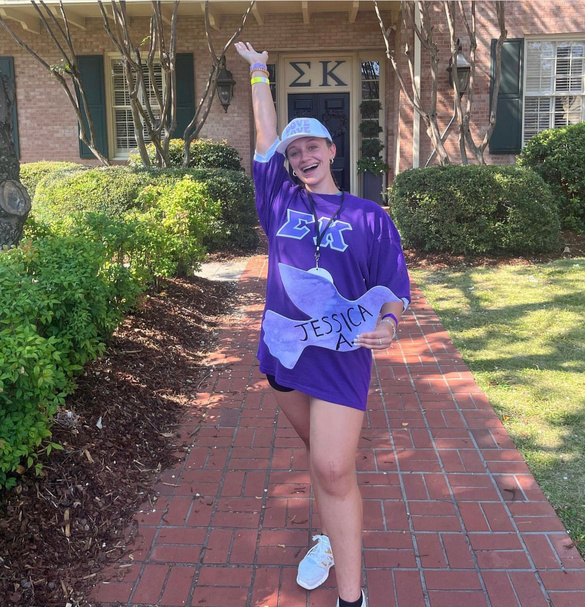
x=296 y=406
x=334 y=435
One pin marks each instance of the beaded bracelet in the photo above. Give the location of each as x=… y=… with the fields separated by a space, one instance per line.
x=259 y=79
x=389 y=322
x=261 y=66
x=390 y=316
x=262 y=71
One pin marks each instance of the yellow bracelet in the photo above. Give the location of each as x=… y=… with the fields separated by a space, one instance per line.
x=259 y=79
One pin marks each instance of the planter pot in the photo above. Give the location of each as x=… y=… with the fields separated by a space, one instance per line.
x=372 y=187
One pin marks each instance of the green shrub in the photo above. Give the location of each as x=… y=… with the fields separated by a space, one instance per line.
x=235 y=192
x=31 y=389
x=76 y=303
x=370 y=108
x=57 y=308
x=205 y=154
x=110 y=190
x=187 y=214
x=557 y=155
x=115 y=190
x=31 y=173
x=370 y=128
x=371 y=148
x=475 y=210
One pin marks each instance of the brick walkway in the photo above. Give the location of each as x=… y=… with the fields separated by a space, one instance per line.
x=452 y=515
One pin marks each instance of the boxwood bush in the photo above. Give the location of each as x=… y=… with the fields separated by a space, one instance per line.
x=110 y=190
x=115 y=190
x=475 y=210
x=557 y=155
x=205 y=154
x=31 y=173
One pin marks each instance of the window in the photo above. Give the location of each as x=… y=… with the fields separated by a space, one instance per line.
x=122 y=113
x=272 y=77
x=371 y=80
x=555 y=77
x=370 y=107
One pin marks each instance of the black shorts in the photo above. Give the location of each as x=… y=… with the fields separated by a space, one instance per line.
x=272 y=381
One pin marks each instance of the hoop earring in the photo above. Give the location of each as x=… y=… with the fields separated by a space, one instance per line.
x=331 y=160
x=295 y=174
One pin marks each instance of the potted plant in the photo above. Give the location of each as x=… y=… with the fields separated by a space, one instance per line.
x=371 y=165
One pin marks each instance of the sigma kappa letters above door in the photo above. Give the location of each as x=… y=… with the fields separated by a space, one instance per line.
x=332 y=109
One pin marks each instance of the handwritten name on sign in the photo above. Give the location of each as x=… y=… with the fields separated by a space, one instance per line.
x=334 y=321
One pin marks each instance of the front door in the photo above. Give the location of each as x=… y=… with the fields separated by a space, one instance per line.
x=332 y=109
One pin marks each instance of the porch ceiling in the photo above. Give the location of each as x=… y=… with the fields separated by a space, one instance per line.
x=77 y=11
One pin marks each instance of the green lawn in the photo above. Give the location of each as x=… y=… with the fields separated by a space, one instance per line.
x=521 y=330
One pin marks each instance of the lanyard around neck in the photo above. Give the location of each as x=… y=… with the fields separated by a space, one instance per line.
x=320 y=235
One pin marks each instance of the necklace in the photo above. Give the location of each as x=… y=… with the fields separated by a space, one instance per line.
x=320 y=235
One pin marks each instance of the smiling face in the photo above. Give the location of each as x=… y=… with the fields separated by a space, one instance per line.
x=310 y=158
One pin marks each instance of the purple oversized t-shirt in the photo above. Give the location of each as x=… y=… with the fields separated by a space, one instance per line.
x=360 y=250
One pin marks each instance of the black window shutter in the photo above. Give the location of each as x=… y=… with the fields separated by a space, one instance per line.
x=185 y=92
x=7 y=68
x=507 y=136
x=91 y=69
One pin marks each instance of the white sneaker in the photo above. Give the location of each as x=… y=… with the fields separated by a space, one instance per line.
x=364 y=604
x=314 y=568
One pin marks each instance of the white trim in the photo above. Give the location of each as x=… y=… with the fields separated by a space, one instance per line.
x=417 y=75
x=354 y=89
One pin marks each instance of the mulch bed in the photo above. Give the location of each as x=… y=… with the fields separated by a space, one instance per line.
x=57 y=531
x=573 y=246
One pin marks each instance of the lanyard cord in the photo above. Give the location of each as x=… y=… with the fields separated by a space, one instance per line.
x=321 y=235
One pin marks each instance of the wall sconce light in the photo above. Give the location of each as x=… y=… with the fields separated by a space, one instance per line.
x=225 y=86
x=463 y=70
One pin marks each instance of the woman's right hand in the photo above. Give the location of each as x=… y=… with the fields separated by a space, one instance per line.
x=246 y=50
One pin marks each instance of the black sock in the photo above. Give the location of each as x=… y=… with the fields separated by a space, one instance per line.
x=357 y=603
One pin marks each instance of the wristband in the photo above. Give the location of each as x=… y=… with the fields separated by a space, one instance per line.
x=390 y=316
x=387 y=321
x=261 y=66
x=259 y=70
x=258 y=79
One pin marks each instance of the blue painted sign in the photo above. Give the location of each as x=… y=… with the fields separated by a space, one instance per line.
x=334 y=321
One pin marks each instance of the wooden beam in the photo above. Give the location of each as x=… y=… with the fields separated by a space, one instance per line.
x=213 y=19
x=306 y=14
x=355 y=7
x=27 y=22
x=257 y=14
x=72 y=17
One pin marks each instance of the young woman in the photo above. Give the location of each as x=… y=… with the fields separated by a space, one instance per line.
x=316 y=228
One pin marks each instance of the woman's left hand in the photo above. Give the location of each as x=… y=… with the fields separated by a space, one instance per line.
x=380 y=338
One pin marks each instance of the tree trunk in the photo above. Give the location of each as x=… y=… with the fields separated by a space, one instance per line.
x=14 y=199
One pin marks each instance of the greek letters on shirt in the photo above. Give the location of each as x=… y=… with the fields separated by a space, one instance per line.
x=299 y=224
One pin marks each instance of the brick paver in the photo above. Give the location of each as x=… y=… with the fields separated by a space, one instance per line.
x=452 y=515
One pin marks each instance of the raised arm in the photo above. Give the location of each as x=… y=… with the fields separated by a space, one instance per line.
x=264 y=112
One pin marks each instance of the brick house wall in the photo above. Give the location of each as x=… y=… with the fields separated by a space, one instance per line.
x=48 y=129
x=523 y=20
x=47 y=124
